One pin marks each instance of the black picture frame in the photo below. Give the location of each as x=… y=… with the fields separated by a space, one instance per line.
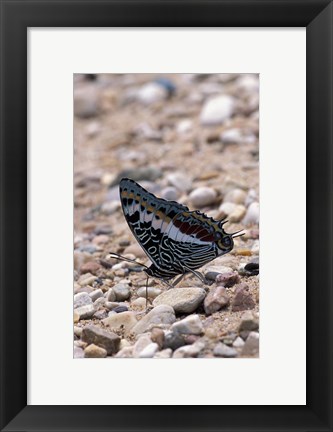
x=16 y=17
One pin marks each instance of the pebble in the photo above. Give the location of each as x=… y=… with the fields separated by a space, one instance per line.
x=149 y=351
x=139 y=303
x=251 y=346
x=122 y=292
x=86 y=311
x=173 y=340
x=111 y=305
x=78 y=331
x=216 y=110
x=124 y=320
x=82 y=299
x=180 y=181
x=250 y=83
x=202 y=196
x=182 y=300
x=238 y=342
x=151 y=93
x=216 y=299
x=248 y=322
x=86 y=279
x=120 y=309
x=189 y=350
x=166 y=353
x=251 y=197
x=102 y=338
x=94 y=351
x=125 y=352
x=100 y=239
x=227 y=279
x=78 y=352
x=170 y=193
x=135 y=250
x=90 y=267
x=110 y=207
x=252 y=214
x=234 y=212
x=86 y=102
x=153 y=292
x=223 y=350
x=184 y=126
x=243 y=299
x=96 y=294
x=236 y=196
x=100 y=314
x=157 y=335
x=141 y=344
x=231 y=136
x=191 y=325
x=110 y=295
x=100 y=303
x=255 y=247
x=161 y=314
x=76 y=316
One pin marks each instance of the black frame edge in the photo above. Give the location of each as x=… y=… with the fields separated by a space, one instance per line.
x=16 y=16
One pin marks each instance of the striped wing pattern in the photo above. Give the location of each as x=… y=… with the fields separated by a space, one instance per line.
x=174 y=238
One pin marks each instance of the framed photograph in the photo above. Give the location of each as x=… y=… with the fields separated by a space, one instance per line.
x=139 y=140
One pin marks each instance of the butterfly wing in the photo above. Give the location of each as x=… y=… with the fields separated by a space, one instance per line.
x=149 y=218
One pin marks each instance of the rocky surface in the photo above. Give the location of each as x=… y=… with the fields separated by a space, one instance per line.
x=192 y=138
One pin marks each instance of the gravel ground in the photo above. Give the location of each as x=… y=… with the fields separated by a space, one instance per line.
x=193 y=138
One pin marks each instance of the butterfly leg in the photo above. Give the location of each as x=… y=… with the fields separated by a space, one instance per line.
x=197 y=274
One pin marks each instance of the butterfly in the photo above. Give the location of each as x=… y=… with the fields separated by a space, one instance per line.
x=176 y=240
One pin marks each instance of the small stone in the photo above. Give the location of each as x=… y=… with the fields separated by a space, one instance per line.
x=190 y=325
x=248 y=322
x=149 y=351
x=141 y=344
x=189 y=350
x=125 y=321
x=227 y=279
x=180 y=181
x=252 y=214
x=86 y=279
x=90 y=267
x=157 y=335
x=94 y=351
x=231 y=136
x=100 y=239
x=135 y=250
x=236 y=196
x=76 y=316
x=111 y=305
x=217 y=109
x=120 y=309
x=255 y=247
x=126 y=352
x=166 y=353
x=182 y=300
x=86 y=311
x=238 y=342
x=153 y=292
x=216 y=299
x=170 y=193
x=222 y=350
x=102 y=338
x=78 y=331
x=252 y=268
x=139 y=304
x=202 y=196
x=110 y=295
x=161 y=314
x=251 y=346
x=100 y=314
x=234 y=212
x=80 y=258
x=78 y=352
x=151 y=93
x=96 y=294
x=82 y=299
x=86 y=103
x=173 y=340
x=243 y=299
x=122 y=292
x=124 y=343
x=184 y=126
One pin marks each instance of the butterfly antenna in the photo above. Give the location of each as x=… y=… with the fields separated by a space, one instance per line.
x=236 y=234
x=122 y=258
x=147 y=293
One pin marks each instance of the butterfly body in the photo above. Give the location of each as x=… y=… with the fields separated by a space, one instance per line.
x=176 y=240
